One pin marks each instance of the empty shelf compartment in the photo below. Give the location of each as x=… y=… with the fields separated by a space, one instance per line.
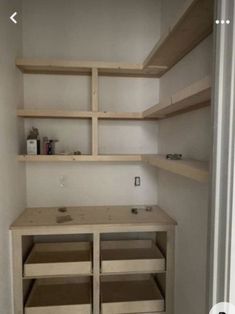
x=131 y=256
x=59 y=298
x=58 y=259
x=135 y=296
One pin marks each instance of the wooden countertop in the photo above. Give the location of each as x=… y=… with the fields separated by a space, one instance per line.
x=92 y=216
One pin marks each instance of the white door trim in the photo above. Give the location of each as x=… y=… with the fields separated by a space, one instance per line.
x=223 y=157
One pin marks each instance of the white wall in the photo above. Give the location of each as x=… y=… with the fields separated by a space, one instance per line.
x=93 y=30
x=107 y=30
x=12 y=174
x=184 y=199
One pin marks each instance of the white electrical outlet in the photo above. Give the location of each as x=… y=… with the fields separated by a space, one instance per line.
x=137 y=181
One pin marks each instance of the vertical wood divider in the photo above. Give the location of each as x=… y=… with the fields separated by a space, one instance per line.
x=170 y=273
x=17 y=272
x=95 y=108
x=96 y=273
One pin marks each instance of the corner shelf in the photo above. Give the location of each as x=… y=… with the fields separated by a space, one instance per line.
x=193 y=169
x=194 y=24
x=76 y=67
x=193 y=97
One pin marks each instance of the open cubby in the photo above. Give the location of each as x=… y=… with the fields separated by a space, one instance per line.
x=60 y=296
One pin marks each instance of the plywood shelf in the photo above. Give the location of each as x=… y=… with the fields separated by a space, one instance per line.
x=79 y=158
x=194 y=23
x=58 y=259
x=131 y=256
x=73 y=114
x=193 y=97
x=64 y=298
x=75 y=67
x=136 y=296
x=193 y=169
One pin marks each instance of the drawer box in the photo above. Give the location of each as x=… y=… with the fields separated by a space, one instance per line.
x=131 y=256
x=136 y=296
x=62 y=298
x=57 y=259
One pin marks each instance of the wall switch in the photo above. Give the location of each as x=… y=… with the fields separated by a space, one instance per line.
x=137 y=181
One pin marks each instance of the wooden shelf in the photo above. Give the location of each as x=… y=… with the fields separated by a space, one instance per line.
x=79 y=158
x=193 y=169
x=196 y=170
x=45 y=113
x=193 y=97
x=72 y=114
x=142 y=296
x=48 y=297
x=194 y=24
x=131 y=256
x=74 y=67
x=58 y=259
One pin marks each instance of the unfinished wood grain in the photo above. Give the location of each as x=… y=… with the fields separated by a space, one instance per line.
x=17 y=269
x=94 y=89
x=170 y=273
x=79 y=158
x=193 y=169
x=68 y=298
x=97 y=218
x=96 y=273
x=50 y=113
x=120 y=115
x=139 y=296
x=57 y=259
x=134 y=256
x=192 y=25
x=193 y=97
x=95 y=139
x=76 y=67
x=73 y=114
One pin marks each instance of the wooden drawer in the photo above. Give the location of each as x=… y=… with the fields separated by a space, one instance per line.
x=59 y=298
x=131 y=256
x=57 y=259
x=136 y=296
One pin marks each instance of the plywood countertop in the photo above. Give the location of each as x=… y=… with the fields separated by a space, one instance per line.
x=93 y=217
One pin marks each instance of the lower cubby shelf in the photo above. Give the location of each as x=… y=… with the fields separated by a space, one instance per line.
x=51 y=297
x=131 y=296
x=58 y=259
x=131 y=256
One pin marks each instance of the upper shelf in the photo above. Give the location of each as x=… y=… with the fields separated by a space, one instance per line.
x=194 y=23
x=71 y=67
x=193 y=97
